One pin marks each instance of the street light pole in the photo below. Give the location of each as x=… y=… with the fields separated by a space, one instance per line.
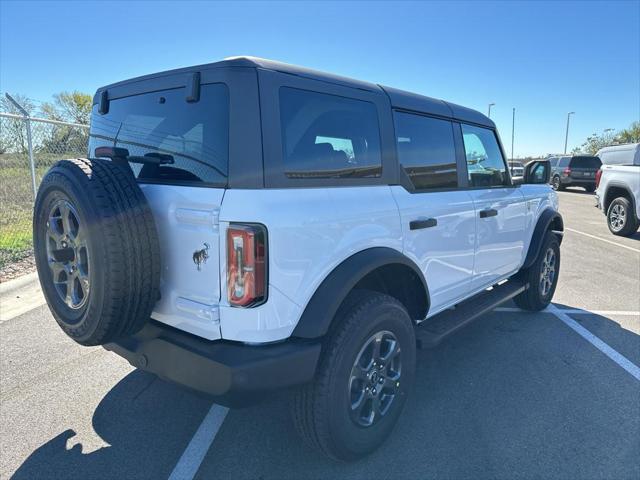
x=489 y=113
x=513 y=127
x=566 y=135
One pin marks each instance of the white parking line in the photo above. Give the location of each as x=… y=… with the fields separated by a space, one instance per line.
x=617 y=357
x=194 y=454
x=602 y=239
x=577 y=311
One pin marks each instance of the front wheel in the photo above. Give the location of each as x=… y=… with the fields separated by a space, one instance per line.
x=542 y=277
x=363 y=379
x=621 y=218
x=555 y=183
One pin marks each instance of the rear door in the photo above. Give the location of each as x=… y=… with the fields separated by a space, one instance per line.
x=186 y=193
x=500 y=208
x=438 y=218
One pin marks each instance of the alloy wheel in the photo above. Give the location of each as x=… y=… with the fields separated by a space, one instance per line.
x=548 y=273
x=68 y=254
x=375 y=379
x=617 y=217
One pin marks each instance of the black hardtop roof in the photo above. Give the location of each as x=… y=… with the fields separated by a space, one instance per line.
x=399 y=98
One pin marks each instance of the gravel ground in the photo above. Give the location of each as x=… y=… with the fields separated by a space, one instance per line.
x=20 y=267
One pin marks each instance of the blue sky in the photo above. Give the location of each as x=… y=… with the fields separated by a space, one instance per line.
x=544 y=58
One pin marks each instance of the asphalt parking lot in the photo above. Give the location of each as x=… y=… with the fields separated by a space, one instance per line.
x=514 y=395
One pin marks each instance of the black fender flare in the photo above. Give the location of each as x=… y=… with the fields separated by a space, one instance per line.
x=321 y=309
x=549 y=219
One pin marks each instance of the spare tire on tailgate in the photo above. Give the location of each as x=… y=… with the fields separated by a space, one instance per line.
x=96 y=249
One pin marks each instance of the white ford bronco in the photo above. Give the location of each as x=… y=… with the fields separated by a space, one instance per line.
x=247 y=226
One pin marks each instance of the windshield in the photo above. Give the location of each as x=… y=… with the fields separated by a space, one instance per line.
x=194 y=134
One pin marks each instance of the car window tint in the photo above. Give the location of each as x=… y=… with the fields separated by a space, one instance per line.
x=194 y=134
x=327 y=136
x=586 y=162
x=564 y=162
x=426 y=150
x=485 y=164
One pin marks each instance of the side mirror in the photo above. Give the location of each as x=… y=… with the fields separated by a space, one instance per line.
x=537 y=172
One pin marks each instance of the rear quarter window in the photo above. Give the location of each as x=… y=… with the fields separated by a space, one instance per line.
x=195 y=135
x=328 y=136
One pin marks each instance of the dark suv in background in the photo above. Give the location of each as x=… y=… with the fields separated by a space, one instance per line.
x=574 y=171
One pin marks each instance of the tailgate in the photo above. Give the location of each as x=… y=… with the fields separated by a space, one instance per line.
x=187 y=223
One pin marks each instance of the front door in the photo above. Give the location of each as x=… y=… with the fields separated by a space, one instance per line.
x=500 y=208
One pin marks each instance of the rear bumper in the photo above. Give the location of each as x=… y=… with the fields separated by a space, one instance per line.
x=577 y=181
x=235 y=374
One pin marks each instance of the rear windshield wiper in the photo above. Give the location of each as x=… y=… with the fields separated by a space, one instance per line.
x=122 y=154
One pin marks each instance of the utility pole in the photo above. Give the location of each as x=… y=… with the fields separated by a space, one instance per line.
x=566 y=135
x=513 y=127
x=489 y=113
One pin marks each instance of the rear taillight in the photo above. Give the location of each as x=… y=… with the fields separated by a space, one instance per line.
x=246 y=265
x=567 y=171
x=598 y=176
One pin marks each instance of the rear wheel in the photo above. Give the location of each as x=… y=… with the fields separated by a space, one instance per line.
x=363 y=379
x=542 y=277
x=590 y=188
x=621 y=218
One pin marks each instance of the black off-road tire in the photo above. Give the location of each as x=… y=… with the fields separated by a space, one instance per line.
x=114 y=224
x=534 y=298
x=321 y=410
x=590 y=188
x=630 y=223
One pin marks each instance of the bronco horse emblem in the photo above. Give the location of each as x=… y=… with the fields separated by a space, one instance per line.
x=201 y=256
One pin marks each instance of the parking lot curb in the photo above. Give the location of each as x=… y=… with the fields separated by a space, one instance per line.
x=16 y=283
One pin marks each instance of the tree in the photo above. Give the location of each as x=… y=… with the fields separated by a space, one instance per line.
x=597 y=141
x=72 y=107
x=630 y=135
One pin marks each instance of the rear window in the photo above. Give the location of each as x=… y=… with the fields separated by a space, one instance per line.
x=586 y=162
x=194 y=136
x=327 y=136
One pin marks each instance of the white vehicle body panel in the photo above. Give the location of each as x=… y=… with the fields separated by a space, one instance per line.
x=445 y=252
x=628 y=154
x=501 y=238
x=626 y=177
x=187 y=219
x=310 y=232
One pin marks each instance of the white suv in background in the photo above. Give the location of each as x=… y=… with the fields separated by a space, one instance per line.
x=248 y=225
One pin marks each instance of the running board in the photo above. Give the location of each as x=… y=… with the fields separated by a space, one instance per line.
x=434 y=330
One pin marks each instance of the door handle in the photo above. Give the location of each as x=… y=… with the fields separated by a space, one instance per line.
x=422 y=223
x=490 y=212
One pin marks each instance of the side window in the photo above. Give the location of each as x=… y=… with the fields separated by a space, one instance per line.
x=553 y=161
x=564 y=162
x=426 y=150
x=327 y=136
x=485 y=164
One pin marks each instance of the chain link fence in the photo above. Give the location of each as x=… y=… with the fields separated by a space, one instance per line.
x=28 y=147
